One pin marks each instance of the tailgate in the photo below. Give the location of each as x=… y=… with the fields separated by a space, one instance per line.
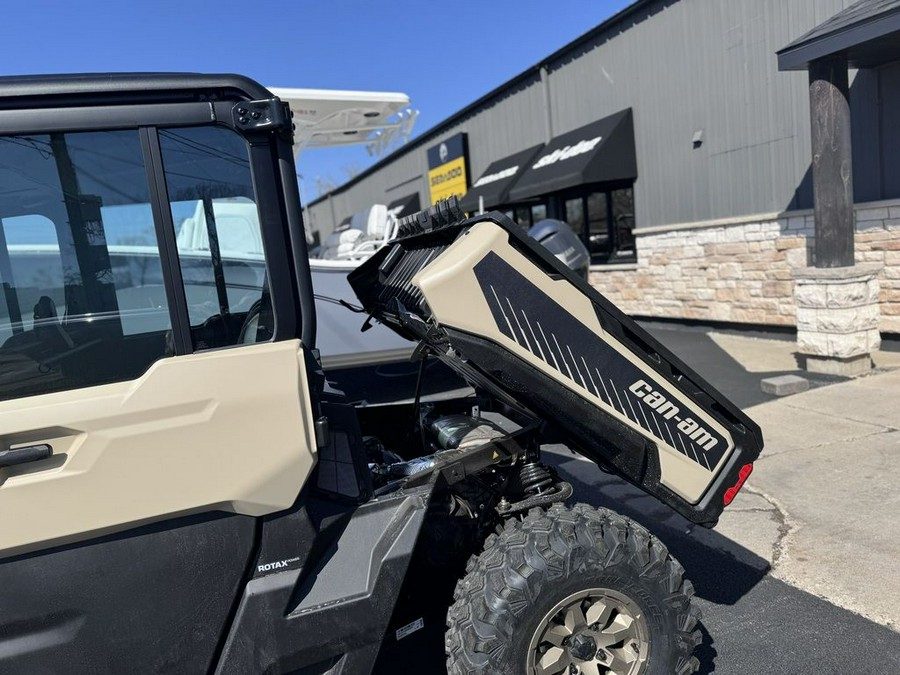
x=512 y=319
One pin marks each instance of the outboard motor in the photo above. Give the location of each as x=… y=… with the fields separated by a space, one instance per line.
x=558 y=238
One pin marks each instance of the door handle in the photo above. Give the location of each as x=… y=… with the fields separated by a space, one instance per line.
x=29 y=453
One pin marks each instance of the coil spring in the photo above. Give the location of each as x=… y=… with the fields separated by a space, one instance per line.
x=535 y=478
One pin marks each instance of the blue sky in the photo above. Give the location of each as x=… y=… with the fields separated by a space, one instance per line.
x=443 y=54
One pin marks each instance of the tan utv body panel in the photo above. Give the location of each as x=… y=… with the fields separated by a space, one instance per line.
x=228 y=430
x=454 y=296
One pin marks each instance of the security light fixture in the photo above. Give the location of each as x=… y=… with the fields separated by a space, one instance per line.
x=698 y=138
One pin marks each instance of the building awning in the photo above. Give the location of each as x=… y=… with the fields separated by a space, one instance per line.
x=600 y=152
x=867 y=33
x=495 y=183
x=405 y=205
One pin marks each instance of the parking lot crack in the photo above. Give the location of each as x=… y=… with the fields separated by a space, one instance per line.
x=786 y=525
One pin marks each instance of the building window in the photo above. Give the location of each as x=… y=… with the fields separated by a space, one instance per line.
x=526 y=216
x=575 y=213
x=599 y=241
x=523 y=216
x=623 y=222
x=605 y=221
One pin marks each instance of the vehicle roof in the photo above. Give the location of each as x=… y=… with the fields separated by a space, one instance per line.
x=99 y=88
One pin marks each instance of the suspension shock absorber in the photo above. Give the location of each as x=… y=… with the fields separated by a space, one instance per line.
x=540 y=487
x=535 y=478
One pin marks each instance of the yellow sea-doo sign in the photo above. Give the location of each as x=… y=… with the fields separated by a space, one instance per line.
x=447 y=168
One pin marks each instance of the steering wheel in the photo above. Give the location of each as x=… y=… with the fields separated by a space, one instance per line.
x=250 y=329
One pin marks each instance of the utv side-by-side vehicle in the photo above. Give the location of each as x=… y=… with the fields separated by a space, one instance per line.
x=184 y=490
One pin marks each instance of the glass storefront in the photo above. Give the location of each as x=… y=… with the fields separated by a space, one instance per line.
x=604 y=218
x=585 y=177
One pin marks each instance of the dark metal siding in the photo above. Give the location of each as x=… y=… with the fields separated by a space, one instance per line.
x=889 y=97
x=703 y=65
x=682 y=65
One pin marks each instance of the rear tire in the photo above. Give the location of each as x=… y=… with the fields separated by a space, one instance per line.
x=520 y=596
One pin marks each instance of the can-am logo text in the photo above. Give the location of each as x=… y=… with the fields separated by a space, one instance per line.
x=663 y=406
x=567 y=152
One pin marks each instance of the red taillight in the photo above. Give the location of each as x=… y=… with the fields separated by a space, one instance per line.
x=743 y=475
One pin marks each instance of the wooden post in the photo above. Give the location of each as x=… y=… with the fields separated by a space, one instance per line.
x=832 y=162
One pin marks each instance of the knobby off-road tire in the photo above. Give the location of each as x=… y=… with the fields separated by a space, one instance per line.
x=537 y=565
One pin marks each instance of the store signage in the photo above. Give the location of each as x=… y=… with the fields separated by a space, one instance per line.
x=567 y=152
x=494 y=177
x=447 y=168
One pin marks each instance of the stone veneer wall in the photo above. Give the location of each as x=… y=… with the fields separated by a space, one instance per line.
x=741 y=270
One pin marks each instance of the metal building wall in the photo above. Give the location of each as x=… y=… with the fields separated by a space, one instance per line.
x=707 y=65
x=496 y=130
x=683 y=66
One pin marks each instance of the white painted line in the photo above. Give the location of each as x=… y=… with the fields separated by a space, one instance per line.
x=703 y=457
x=646 y=421
x=500 y=305
x=549 y=348
x=553 y=335
x=593 y=384
x=617 y=397
x=637 y=421
x=603 y=384
x=682 y=444
x=519 y=324
x=656 y=422
x=528 y=323
x=577 y=370
x=669 y=431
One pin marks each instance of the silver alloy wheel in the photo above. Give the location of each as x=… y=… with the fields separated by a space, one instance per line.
x=593 y=632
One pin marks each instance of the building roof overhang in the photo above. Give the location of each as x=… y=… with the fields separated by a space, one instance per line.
x=405 y=206
x=493 y=186
x=867 y=33
x=599 y=152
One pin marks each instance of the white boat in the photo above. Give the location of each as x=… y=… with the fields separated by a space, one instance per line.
x=378 y=121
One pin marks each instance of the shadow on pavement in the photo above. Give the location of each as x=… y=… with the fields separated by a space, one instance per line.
x=693 y=345
x=721 y=570
x=706 y=653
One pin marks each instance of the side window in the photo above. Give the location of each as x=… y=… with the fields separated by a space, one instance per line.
x=218 y=236
x=83 y=301
x=36 y=267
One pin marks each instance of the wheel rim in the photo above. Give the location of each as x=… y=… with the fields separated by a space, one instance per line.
x=593 y=632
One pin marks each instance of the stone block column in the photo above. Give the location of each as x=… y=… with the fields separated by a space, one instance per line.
x=838 y=313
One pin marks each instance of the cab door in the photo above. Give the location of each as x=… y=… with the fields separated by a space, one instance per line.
x=153 y=396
